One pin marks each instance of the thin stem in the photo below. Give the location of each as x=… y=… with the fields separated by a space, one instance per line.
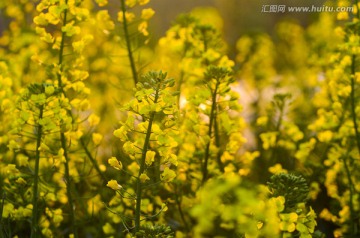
x=62 y=134
x=128 y=43
x=211 y=122
x=353 y=102
x=182 y=74
x=351 y=198
x=182 y=216
x=62 y=46
x=217 y=143
x=277 y=129
x=357 y=8
x=34 y=218
x=357 y=138
x=93 y=160
x=142 y=166
x=68 y=184
x=2 y=229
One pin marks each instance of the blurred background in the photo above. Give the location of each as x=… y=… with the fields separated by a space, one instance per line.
x=239 y=16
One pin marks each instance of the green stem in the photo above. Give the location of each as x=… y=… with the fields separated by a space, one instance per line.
x=68 y=184
x=351 y=202
x=182 y=74
x=62 y=47
x=357 y=138
x=142 y=166
x=35 y=212
x=128 y=43
x=217 y=143
x=211 y=122
x=277 y=129
x=62 y=134
x=182 y=216
x=353 y=102
x=1 y=211
x=93 y=160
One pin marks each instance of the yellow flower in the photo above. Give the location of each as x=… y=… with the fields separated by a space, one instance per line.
x=143 y=177
x=325 y=136
x=121 y=133
x=79 y=46
x=128 y=15
x=40 y=20
x=150 y=155
x=279 y=203
x=113 y=184
x=93 y=120
x=7 y=210
x=11 y=169
x=130 y=3
x=22 y=160
x=115 y=163
x=108 y=229
x=262 y=121
x=168 y=175
x=49 y=90
x=101 y=3
x=103 y=18
x=147 y=13
x=21 y=181
x=143 y=28
x=70 y=29
x=97 y=138
x=342 y=16
x=143 y=2
x=277 y=168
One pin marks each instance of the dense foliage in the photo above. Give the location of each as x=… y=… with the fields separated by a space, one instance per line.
x=104 y=135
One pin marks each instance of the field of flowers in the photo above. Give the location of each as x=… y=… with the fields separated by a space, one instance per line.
x=105 y=134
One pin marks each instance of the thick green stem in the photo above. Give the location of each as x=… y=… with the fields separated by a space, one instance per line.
x=142 y=166
x=128 y=43
x=68 y=185
x=35 y=212
x=210 y=132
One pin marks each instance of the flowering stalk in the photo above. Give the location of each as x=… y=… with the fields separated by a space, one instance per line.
x=142 y=166
x=128 y=43
x=154 y=138
x=35 y=211
x=353 y=228
x=62 y=46
x=210 y=133
x=220 y=76
x=353 y=102
x=68 y=185
x=62 y=133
